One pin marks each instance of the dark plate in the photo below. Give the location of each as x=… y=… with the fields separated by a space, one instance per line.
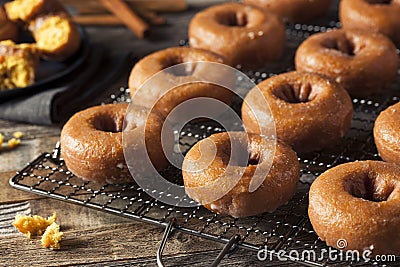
x=50 y=71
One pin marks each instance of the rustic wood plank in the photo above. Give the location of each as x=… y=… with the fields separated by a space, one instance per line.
x=28 y=150
x=30 y=131
x=99 y=244
x=199 y=259
x=12 y=195
x=89 y=233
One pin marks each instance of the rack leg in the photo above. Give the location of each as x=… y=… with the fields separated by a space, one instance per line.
x=227 y=248
x=160 y=250
x=234 y=239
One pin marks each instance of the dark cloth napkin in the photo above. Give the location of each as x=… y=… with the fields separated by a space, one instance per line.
x=80 y=89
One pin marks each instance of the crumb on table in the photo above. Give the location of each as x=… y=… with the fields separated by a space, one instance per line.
x=52 y=236
x=18 y=135
x=12 y=143
x=33 y=225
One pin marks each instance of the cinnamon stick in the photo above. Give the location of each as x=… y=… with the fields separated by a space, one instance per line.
x=94 y=6
x=111 y=20
x=151 y=17
x=98 y=20
x=127 y=16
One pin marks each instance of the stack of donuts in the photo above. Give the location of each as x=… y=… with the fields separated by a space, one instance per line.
x=311 y=108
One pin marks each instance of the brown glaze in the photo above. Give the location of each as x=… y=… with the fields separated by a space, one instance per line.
x=363 y=63
x=243 y=34
x=91 y=143
x=380 y=16
x=310 y=111
x=358 y=202
x=387 y=134
x=300 y=11
x=160 y=60
x=279 y=180
x=8 y=30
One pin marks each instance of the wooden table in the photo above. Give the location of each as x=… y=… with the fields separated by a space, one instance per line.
x=94 y=238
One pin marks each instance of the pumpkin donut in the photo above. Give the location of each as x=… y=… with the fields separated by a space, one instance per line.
x=310 y=111
x=180 y=92
x=204 y=167
x=57 y=36
x=245 y=35
x=92 y=147
x=387 y=134
x=358 y=202
x=300 y=11
x=363 y=63
x=372 y=16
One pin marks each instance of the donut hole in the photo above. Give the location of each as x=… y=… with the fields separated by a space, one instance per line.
x=231 y=18
x=295 y=93
x=379 y=2
x=107 y=123
x=245 y=154
x=343 y=45
x=368 y=187
x=254 y=159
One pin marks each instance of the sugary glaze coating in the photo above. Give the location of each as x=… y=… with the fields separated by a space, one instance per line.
x=294 y=10
x=360 y=203
x=27 y=10
x=310 y=112
x=362 y=62
x=92 y=147
x=160 y=60
x=372 y=16
x=387 y=134
x=279 y=180
x=18 y=63
x=245 y=35
x=56 y=36
x=8 y=30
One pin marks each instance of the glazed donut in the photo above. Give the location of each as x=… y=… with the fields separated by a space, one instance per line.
x=310 y=112
x=8 y=30
x=360 y=203
x=279 y=179
x=245 y=35
x=160 y=60
x=92 y=148
x=56 y=36
x=372 y=16
x=387 y=134
x=361 y=62
x=300 y=11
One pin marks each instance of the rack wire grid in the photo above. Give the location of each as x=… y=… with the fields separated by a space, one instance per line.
x=288 y=228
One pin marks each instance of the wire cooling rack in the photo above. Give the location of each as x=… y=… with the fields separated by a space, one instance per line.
x=288 y=228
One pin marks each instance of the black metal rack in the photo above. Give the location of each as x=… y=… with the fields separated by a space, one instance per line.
x=288 y=228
